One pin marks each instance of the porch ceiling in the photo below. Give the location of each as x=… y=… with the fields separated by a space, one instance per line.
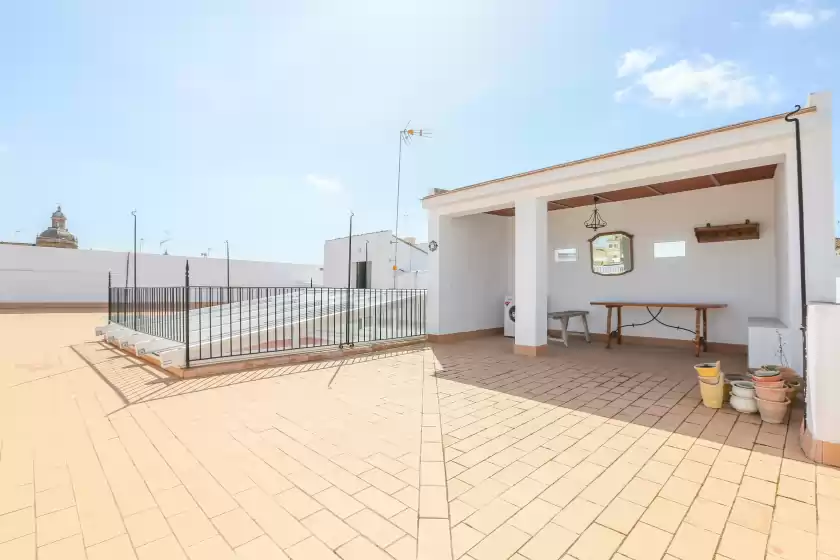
x=659 y=189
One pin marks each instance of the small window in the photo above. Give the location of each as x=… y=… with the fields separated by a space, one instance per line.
x=668 y=249
x=565 y=255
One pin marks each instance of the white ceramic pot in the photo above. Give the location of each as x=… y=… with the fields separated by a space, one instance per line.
x=744 y=389
x=746 y=405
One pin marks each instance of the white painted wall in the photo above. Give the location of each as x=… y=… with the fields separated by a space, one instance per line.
x=822 y=380
x=468 y=273
x=380 y=253
x=741 y=274
x=45 y=274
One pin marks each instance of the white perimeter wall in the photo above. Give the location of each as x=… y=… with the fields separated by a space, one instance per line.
x=380 y=252
x=741 y=274
x=44 y=274
x=468 y=273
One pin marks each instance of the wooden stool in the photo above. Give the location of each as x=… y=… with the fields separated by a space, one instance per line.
x=563 y=317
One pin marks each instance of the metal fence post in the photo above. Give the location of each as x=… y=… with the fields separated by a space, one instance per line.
x=109 y=297
x=187 y=315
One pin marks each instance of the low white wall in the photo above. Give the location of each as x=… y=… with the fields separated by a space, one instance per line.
x=45 y=275
x=823 y=383
x=741 y=274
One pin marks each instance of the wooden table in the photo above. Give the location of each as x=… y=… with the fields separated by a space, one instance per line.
x=700 y=322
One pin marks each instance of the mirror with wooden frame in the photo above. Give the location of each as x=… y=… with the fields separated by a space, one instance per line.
x=611 y=253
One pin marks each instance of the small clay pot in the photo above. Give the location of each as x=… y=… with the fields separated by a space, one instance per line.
x=775 y=394
x=769 y=378
x=747 y=405
x=743 y=389
x=788 y=373
x=770 y=384
x=771 y=367
x=772 y=412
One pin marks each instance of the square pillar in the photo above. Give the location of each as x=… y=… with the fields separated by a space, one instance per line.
x=531 y=274
x=440 y=285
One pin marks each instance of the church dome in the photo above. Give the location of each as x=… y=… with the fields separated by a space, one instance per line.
x=57 y=234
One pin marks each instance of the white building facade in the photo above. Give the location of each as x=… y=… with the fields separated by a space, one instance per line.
x=377 y=249
x=499 y=238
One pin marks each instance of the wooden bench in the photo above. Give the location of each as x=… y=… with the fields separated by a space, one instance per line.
x=563 y=317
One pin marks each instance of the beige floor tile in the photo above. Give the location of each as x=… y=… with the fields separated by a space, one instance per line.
x=534 y=516
x=17 y=524
x=693 y=543
x=702 y=454
x=70 y=548
x=645 y=543
x=458 y=511
x=297 y=502
x=432 y=473
x=236 y=527
x=174 y=501
x=57 y=525
x=277 y=523
x=760 y=491
x=751 y=515
x=669 y=455
x=679 y=490
x=479 y=473
x=707 y=515
x=499 y=545
x=409 y=496
x=22 y=548
x=54 y=499
x=311 y=549
x=434 y=540
x=664 y=514
x=692 y=470
x=464 y=538
x=596 y=543
x=791 y=543
x=800 y=470
x=433 y=503
x=380 y=479
x=656 y=471
x=329 y=528
x=484 y=493
x=640 y=491
x=719 y=491
x=339 y=502
x=372 y=526
x=191 y=527
x=734 y=455
x=513 y=473
x=167 y=547
x=797 y=489
x=261 y=548
x=740 y=543
x=523 y=492
x=382 y=503
x=828 y=539
x=214 y=548
x=491 y=516
x=795 y=514
x=118 y=548
x=578 y=515
x=727 y=470
x=362 y=549
x=828 y=485
x=549 y=544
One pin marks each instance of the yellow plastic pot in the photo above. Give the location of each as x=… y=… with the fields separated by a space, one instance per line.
x=712 y=391
x=708 y=370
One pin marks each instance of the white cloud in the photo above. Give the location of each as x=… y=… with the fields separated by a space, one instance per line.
x=635 y=61
x=714 y=84
x=801 y=17
x=324 y=184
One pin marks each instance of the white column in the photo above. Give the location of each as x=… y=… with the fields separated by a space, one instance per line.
x=531 y=274
x=438 y=293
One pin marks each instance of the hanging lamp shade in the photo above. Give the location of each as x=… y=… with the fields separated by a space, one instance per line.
x=595 y=221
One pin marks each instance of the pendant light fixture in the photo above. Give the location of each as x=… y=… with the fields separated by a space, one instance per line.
x=595 y=221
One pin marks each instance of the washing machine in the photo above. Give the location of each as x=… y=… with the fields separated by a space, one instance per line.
x=510 y=317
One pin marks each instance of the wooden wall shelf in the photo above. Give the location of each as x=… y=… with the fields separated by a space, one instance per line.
x=729 y=232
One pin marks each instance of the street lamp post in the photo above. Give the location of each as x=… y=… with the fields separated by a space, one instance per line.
x=134 y=320
x=227 y=258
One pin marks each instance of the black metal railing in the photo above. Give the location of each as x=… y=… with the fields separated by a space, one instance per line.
x=221 y=322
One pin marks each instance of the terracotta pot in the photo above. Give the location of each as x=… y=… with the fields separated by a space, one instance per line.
x=771 y=367
x=770 y=384
x=767 y=378
x=776 y=394
x=788 y=373
x=772 y=412
x=795 y=384
x=747 y=405
x=744 y=389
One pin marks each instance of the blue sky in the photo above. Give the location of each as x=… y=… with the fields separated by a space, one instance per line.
x=265 y=122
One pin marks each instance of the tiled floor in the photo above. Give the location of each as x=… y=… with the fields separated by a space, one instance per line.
x=454 y=451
